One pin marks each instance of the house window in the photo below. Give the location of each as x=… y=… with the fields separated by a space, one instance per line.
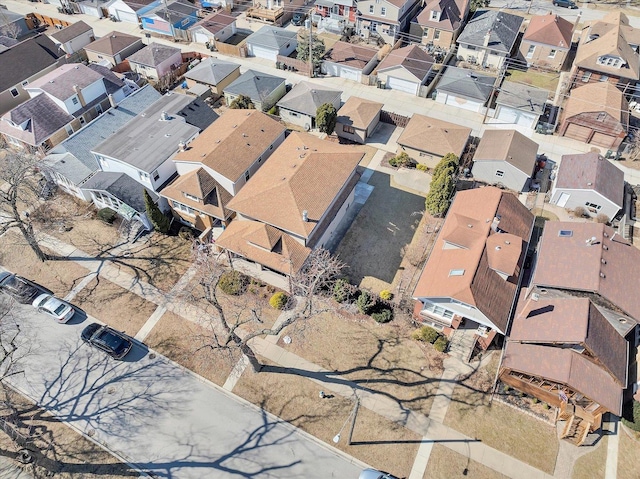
x=156 y=175
x=348 y=129
x=74 y=100
x=434 y=15
x=603 y=78
x=532 y=48
x=601 y=116
x=25 y=83
x=592 y=206
x=100 y=57
x=69 y=129
x=371 y=9
x=98 y=109
x=499 y=173
x=293 y=113
x=143 y=176
x=247 y=175
x=425 y=32
x=14 y=92
x=191 y=197
x=183 y=208
x=436 y=35
x=438 y=310
x=82 y=120
x=586 y=76
x=552 y=53
x=383 y=12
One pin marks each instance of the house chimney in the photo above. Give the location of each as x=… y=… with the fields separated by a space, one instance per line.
x=112 y=101
x=76 y=89
x=487 y=37
x=182 y=146
x=305 y=216
x=495 y=223
x=164 y=116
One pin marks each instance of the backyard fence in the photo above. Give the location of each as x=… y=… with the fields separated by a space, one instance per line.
x=394 y=118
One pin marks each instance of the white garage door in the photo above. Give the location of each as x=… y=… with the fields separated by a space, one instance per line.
x=516 y=117
x=350 y=74
x=126 y=16
x=402 y=85
x=261 y=52
x=201 y=38
x=464 y=103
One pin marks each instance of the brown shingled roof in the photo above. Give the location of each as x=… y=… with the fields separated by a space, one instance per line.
x=596 y=97
x=566 y=367
x=112 y=43
x=412 y=58
x=510 y=146
x=479 y=285
x=233 y=143
x=351 y=55
x=435 y=136
x=305 y=173
x=200 y=184
x=359 y=112
x=550 y=29
x=609 y=265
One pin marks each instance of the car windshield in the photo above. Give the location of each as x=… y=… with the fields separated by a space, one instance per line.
x=112 y=341
x=60 y=309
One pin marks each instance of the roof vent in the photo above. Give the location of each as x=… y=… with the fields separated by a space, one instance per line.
x=182 y=146
x=244 y=135
x=470 y=225
x=164 y=116
x=218 y=141
x=305 y=216
x=622 y=320
x=603 y=261
x=589 y=183
x=591 y=241
x=498 y=248
x=507 y=242
x=605 y=247
x=606 y=235
x=602 y=275
x=535 y=296
x=235 y=126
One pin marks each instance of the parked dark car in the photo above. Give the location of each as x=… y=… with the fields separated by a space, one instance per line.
x=19 y=288
x=565 y=3
x=112 y=342
x=299 y=17
x=375 y=474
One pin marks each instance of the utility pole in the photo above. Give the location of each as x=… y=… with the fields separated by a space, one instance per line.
x=496 y=85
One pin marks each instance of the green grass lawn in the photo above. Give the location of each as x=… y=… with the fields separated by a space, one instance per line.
x=545 y=80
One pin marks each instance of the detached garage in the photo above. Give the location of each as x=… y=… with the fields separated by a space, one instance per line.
x=269 y=42
x=519 y=104
x=349 y=61
x=464 y=89
x=405 y=69
x=126 y=11
x=597 y=114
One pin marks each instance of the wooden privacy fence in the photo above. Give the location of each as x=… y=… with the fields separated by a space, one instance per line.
x=36 y=19
x=239 y=50
x=394 y=118
x=288 y=63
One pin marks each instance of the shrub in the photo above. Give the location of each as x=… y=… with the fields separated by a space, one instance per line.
x=274 y=110
x=383 y=316
x=278 y=300
x=401 y=160
x=233 y=283
x=158 y=219
x=365 y=302
x=602 y=218
x=386 y=295
x=535 y=400
x=426 y=334
x=546 y=406
x=343 y=290
x=107 y=215
x=422 y=167
x=581 y=212
x=185 y=233
x=506 y=388
x=631 y=415
x=441 y=344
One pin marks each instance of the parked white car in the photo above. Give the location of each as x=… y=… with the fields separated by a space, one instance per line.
x=54 y=307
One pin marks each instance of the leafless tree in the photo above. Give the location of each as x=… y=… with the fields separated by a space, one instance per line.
x=234 y=326
x=11 y=30
x=20 y=176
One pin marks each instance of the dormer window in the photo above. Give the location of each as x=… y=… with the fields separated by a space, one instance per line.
x=191 y=197
x=435 y=16
x=74 y=100
x=607 y=61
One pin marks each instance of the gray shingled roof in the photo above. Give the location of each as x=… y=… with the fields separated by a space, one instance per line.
x=61 y=82
x=153 y=54
x=272 y=37
x=307 y=97
x=523 y=97
x=257 y=86
x=40 y=51
x=198 y=114
x=466 y=83
x=72 y=31
x=122 y=186
x=502 y=27
x=80 y=144
x=148 y=140
x=211 y=71
x=112 y=82
x=42 y=116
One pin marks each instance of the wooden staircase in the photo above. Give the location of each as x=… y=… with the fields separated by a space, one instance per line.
x=575 y=430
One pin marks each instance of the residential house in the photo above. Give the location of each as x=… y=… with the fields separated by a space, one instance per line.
x=489 y=38
x=608 y=52
x=61 y=102
x=465 y=89
x=213 y=73
x=71 y=163
x=74 y=37
x=217 y=164
x=127 y=10
x=12 y=24
x=335 y=15
x=94 y=8
x=263 y=89
x=156 y=60
x=357 y=119
x=427 y=140
x=591 y=182
x=143 y=149
x=169 y=18
x=277 y=12
x=43 y=57
x=474 y=270
x=386 y=19
x=520 y=104
x=216 y=27
x=440 y=22
x=292 y=205
x=113 y=48
x=300 y=105
x=505 y=157
x=350 y=61
x=406 y=69
x=269 y=42
x=569 y=342
x=596 y=113
x=546 y=41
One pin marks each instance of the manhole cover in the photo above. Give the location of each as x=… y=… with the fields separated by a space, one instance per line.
x=152 y=356
x=287 y=339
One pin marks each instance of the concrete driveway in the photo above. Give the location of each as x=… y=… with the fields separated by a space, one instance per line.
x=159 y=417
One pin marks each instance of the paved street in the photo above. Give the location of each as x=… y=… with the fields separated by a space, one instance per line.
x=159 y=417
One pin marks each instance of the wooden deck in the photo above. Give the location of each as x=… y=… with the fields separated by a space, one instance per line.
x=265 y=14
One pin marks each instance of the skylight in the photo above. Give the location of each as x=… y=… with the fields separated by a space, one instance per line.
x=456 y=272
x=565 y=233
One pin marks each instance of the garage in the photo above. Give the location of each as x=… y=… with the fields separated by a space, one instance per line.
x=516 y=117
x=577 y=132
x=124 y=16
x=349 y=74
x=200 y=37
x=600 y=139
x=458 y=102
x=262 y=52
x=399 y=84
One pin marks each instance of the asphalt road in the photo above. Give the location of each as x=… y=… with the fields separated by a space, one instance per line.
x=157 y=416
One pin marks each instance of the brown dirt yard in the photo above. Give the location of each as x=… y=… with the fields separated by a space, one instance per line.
x=446 y=464
x=592 y=464
x=628 y=454
x=378 y=357
x=373 y=245
x=376 y=441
